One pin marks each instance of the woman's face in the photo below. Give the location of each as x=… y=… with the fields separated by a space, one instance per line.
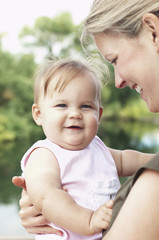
x=136 y=64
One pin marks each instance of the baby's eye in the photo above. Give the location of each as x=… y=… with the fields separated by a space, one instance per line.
x=61 y=105
x=86 y=106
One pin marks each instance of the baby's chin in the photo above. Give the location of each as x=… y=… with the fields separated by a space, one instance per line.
x=74 y=146
x=71 y=145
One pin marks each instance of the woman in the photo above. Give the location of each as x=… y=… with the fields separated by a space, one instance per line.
x=126 y=32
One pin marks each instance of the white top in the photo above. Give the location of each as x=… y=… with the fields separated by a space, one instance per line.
x=89 y=175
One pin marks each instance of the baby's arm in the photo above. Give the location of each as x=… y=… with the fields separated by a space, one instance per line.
x=44 y=188
x=129 y=161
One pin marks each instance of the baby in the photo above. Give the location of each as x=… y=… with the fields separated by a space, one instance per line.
x=67 y=104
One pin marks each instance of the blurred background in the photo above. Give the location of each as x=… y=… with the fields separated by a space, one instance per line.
x=30 y=31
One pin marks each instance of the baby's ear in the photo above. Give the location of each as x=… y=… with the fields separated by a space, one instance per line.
x=100 y=113
x=36 y=114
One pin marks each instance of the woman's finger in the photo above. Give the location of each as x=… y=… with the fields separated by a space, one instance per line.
x=44 y=230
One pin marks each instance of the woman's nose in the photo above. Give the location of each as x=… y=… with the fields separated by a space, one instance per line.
x=119 y=81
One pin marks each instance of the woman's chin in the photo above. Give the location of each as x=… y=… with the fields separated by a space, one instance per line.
x=152 y=108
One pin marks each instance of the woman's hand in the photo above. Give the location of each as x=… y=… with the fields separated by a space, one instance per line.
x=31 y=219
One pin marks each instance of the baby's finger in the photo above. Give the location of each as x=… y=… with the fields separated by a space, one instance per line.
x=109 y=204
x=108 y=211
x=104 y=224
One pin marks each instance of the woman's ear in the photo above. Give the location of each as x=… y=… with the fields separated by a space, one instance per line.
x=36 y=114
x=151 y=24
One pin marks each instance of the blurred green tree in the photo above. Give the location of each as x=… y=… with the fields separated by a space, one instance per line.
x=58 y=35
x=16 y=94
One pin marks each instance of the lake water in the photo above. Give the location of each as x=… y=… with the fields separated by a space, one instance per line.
x=10 y=226
x=139 y=136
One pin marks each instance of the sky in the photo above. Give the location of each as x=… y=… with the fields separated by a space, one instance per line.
x=15 y=14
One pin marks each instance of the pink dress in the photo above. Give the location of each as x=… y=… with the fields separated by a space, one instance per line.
x=90 y=176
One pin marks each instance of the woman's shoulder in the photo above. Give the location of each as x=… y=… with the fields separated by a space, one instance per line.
x=141 y=188
x=153 y=164
x=140 y=210
x=146 y=177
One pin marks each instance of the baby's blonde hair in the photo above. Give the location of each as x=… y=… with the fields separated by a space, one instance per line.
x=54 y=75
x=118 y=16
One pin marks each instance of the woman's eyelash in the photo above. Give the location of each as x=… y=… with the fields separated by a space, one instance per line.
x=113 y=61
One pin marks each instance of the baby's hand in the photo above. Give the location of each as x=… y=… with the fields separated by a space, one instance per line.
x=101 y=217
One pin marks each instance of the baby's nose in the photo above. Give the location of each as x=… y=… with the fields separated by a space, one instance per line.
x=75 y=114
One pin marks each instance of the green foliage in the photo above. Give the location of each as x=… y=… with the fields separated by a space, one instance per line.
x=10 y=155
x=16 y=79
x=5 y=133
x=16 y=74
x=127 y=134
x=50 y=33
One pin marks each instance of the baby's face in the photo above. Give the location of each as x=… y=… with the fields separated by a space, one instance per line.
x=70 y=117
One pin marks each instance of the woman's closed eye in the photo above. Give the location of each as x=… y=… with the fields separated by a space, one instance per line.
x=114 y=61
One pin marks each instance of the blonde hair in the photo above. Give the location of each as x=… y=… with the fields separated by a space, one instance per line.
x=54 y=75
x=118 y=16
